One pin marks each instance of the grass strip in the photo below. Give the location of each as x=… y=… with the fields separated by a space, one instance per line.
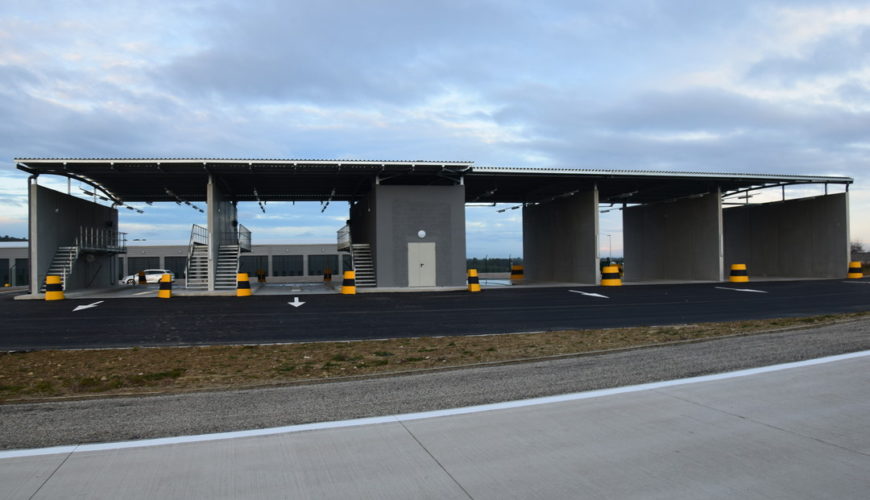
x=61 y=374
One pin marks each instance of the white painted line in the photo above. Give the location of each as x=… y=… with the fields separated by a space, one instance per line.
x=428 y=414
x=740 y=289
x=858 y=282
x=143 y=293
x=88 y=306
x=590 y=294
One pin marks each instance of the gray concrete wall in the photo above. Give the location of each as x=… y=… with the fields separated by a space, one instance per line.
x=402 y=211
x=560 y=240
x=55 y=219
x=680 y=240
x=802 y=238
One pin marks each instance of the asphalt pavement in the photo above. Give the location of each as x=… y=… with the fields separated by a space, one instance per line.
x=272 y=319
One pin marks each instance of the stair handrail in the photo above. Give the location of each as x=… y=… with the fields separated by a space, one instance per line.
x=67 y=270
x=343 y=236
x=244 y=238
x=97 y=238
x=198 y=236
x=239 y=252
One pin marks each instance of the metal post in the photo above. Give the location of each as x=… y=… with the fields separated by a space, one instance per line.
x=610 y=250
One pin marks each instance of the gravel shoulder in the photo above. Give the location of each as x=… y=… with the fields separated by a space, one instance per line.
x=129 y=418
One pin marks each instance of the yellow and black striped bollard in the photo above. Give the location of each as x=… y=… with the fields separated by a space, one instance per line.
x=165 y=290
x=142 y=280
x=243 y=286
x=856 y=270
x=517 y=275
x=53 y=288
x=261 y=276
x=739 y=274
x=610 y=276
x=348 y=284
x=327 y=275
x=473 y=281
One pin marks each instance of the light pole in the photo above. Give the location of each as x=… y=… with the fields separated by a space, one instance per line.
x=609 y=250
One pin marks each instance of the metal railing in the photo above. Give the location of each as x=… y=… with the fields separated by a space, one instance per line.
x=244 y=238
x=344 y=238
x=101 y=239
x=241 y=237
x=198 y=235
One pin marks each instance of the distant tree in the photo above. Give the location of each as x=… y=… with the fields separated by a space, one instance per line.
x=856 y=247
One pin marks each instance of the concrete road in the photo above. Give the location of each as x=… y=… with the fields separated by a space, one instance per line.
x=799 y=432
x=264 y=319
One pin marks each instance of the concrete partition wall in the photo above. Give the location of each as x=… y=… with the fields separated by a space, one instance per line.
x=221 y=213
x=401 y=212
x=802 y=238
x=363 y=220
x=560 y=240
x=679 y=240
x=55 y=219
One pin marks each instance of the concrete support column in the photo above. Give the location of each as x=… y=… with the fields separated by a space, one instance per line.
x=678 y=240
x=221 y=213
x=560 y=240
x=34 y=259
x=801 y=238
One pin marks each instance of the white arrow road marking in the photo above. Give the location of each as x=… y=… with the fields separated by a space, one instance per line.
x=95 y=304
x=740 y=289
x=590 y=294
x=296 y=302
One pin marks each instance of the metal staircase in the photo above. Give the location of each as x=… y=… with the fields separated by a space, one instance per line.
x=363 y=265
x=227 y=267
x=61 y=265
x=197 y=267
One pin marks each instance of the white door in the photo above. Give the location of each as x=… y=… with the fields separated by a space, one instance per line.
x=421 y=264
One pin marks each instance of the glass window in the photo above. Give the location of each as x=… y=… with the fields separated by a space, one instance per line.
x=317 y=264
x=22 y=272
x=252 y=263
x=287 y=265
x=137 y=264
x=178 y=265
x=4 y=271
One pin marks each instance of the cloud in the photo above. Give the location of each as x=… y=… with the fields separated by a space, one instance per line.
x=680 y=85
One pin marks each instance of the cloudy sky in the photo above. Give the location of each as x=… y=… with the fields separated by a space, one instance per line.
x=740 y=86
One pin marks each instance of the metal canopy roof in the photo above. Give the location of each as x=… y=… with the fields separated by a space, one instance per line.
x=170 y=179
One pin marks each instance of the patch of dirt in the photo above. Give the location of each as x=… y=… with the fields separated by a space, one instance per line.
x=52 y=375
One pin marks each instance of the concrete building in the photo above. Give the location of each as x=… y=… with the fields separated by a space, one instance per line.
x=281 y=263
x=406 y=220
